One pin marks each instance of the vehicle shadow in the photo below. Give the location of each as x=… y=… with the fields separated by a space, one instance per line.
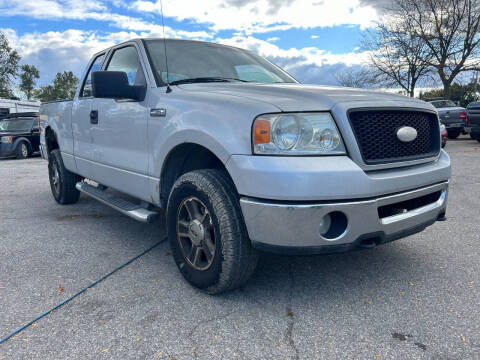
x=344 y=275
x=33 y=156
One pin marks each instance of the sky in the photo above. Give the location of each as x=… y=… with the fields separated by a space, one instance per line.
x=312 y=40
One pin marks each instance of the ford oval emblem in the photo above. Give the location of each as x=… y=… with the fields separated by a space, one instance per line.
x=406 y=134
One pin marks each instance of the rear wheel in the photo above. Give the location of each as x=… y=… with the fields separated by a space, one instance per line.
x=22 y=151
x=62 y=181
x=453 y=134
x=207 y=234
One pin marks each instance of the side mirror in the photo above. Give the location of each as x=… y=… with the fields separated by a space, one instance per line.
x=114 y=85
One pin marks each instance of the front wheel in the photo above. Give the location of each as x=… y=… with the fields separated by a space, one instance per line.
x=22 y=151
x=62 y=181
x=207 y=234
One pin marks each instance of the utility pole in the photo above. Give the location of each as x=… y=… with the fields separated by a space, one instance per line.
x=476 y=81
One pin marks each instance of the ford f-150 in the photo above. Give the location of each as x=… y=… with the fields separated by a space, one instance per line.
x=242 y=156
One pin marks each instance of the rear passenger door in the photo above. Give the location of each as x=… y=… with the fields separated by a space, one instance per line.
x=120 y=134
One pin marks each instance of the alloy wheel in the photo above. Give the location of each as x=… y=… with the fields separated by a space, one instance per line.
x=195 y=233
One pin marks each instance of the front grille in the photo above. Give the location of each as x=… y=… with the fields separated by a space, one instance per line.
x=376 y=134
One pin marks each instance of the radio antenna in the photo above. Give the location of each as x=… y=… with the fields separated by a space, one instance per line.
x=169 y=89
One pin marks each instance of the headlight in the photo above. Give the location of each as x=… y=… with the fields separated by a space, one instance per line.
x=6 y=139
x=296 y=134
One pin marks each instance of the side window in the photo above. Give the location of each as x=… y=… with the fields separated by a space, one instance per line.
x=35 y=125
x=126 y=59
x=4 y=112
x=87 y=86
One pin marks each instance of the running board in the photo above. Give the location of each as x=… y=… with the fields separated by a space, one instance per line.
x=126 y=207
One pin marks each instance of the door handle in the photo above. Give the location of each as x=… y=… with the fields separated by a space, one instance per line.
x=94 y=117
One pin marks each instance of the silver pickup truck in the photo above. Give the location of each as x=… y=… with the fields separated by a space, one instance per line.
x=243 y=157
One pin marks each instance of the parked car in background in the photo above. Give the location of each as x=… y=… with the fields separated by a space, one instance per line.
x=19 y=135
x=452 y=116
x=444 y=134
x=243 y=157
x=473 y=113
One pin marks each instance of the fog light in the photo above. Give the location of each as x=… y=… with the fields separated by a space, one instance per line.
x=333 y=225
x=324 y=224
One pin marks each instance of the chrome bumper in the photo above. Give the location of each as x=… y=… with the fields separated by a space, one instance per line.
x=296 y=227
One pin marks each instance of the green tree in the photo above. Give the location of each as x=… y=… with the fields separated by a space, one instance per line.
x=462 y=94
x=28 y=79
x=63 y=87
x=9 y=59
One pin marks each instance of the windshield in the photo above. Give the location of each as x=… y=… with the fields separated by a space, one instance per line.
x=16 y=125
x=443 y=104
x=206 y=62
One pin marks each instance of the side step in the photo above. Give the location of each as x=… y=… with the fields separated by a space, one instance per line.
x=124 y=206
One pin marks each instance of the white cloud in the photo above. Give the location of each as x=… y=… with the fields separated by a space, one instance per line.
x=306 y=55
x=255 y=16
x=308 y=65
x=91 y=10
x=57 y=51
x=71 y=49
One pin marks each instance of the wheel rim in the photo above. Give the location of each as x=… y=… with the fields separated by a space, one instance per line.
x=24 y=150
x=196 y=234
x=55 y=176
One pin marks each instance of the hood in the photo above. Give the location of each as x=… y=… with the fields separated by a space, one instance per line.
x=300 y=97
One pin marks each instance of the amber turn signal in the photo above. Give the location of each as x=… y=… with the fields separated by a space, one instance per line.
x=261 y=132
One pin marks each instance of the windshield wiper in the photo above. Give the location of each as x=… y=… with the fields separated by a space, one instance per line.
x=205 y=80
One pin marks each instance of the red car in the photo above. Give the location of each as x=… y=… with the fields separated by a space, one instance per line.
x=443 y=132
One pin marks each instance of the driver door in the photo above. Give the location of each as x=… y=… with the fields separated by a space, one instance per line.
x=119 y=130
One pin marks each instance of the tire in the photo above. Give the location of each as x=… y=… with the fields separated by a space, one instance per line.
x=62 y=181
x=453 y=134
x=217 y=256
x=22 y=151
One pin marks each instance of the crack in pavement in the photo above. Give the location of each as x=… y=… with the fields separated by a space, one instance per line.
x=214 y=319
x=290 y=314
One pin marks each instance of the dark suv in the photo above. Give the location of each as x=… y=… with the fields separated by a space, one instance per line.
x=473 y=112
x=19 y=135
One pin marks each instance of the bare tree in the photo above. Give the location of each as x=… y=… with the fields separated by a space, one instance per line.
x=398 y=56
x=451 y=31
x=355 y=78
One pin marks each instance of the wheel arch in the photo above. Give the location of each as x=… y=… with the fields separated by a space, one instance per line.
x=183 y=158
x=51 y=140
x=20 y=140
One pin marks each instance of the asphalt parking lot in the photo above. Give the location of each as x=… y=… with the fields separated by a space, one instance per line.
x=416 y=298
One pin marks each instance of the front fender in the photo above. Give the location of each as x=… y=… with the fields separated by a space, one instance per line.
x=220 y=123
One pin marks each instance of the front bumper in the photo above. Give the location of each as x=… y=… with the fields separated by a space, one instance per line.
x=7 y=150
x=294 y=228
